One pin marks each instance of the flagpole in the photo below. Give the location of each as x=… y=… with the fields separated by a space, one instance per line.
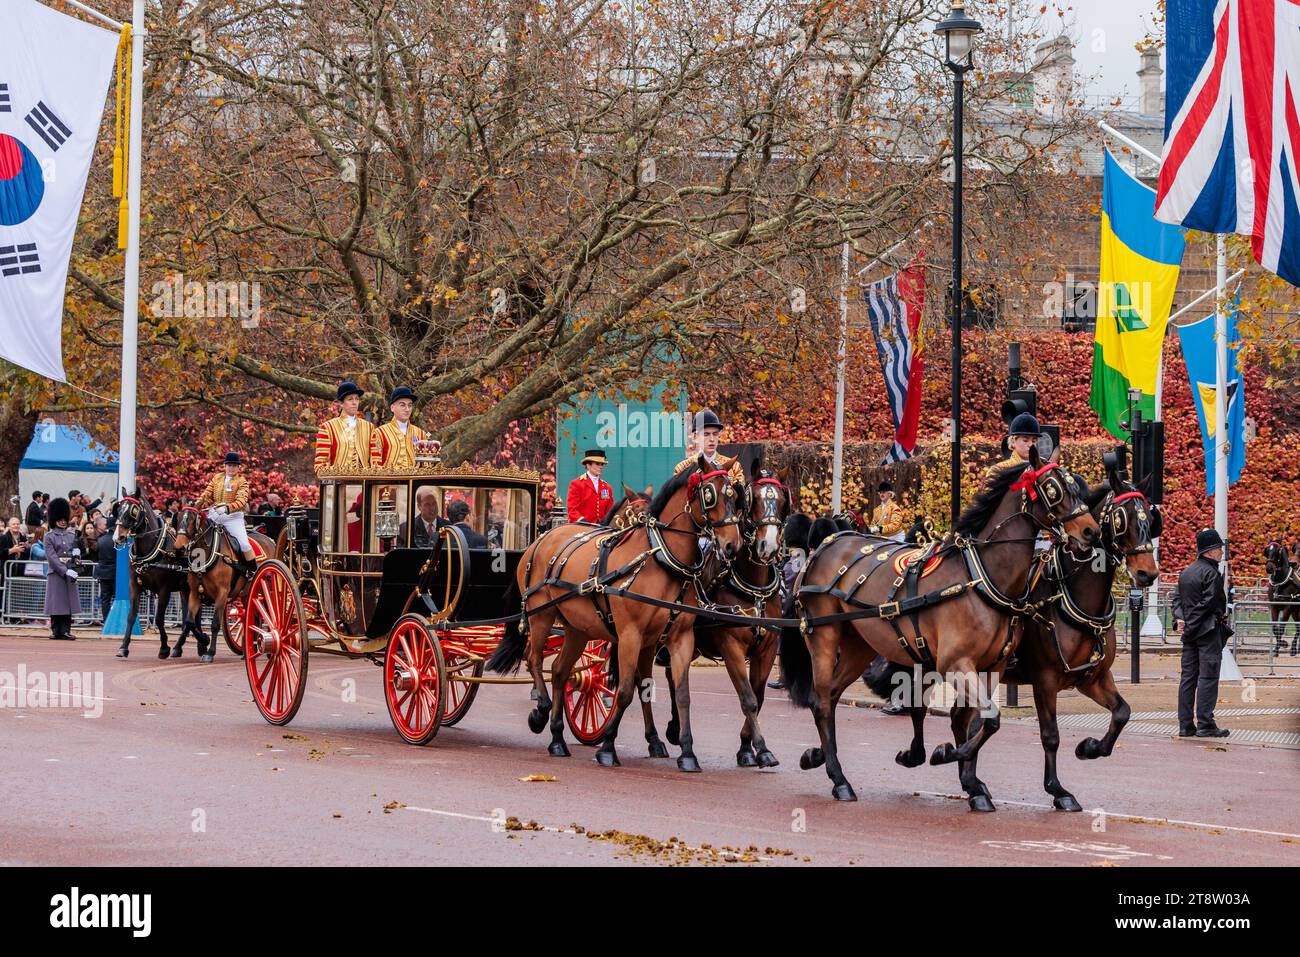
x=837 y=461
x=116 y=623
x=1220 y=396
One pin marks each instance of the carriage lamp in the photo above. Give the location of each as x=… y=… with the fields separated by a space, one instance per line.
x=296 y=523
x=388 y=524
x=558 y=515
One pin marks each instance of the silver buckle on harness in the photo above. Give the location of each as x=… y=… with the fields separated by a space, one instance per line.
x=589 y=586
x=889 y=610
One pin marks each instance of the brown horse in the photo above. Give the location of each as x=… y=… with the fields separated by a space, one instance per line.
x=1069 y=640
x=585 y=577
x=214 y=574
x=751 y=586
x=960 y=626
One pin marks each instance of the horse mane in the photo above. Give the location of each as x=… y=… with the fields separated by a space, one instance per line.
x=670 y=488
x=1096 y=494
x=976 y=516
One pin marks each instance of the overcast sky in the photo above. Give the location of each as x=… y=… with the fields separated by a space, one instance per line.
x=1104 y=32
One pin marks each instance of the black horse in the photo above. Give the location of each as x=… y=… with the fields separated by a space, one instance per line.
x=155 y=567
x=1283 y=594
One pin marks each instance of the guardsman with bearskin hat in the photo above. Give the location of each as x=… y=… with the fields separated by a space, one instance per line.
x=889 y=519
x=590 y=496
x=225 y=498
x=393 y=445
x=62 y=553
x=705 y=435
x=344 y=441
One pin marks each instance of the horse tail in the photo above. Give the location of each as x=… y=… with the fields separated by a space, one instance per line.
x=796 y=667
x=879 y=677
x=510 y=652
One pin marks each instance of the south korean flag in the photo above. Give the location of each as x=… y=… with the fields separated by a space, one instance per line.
x=54 y=75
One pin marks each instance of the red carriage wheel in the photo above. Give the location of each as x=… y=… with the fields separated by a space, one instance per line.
x=275 y=637
x=589 y=695
x=233 y=626
x=415 y=680
x=460 y=694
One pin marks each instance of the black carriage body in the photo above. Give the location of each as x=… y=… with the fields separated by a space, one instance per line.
x=384 y=543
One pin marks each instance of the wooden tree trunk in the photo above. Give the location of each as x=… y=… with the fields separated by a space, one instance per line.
x=16 y=427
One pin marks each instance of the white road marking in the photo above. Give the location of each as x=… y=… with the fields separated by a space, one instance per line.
x=1120 y=815
x=51 y=760
x=129 y=757
x=200 y=754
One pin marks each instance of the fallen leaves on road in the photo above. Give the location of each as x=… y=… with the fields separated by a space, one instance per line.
x=293 y=736
x=337 y=814
x=1212 y=747
x=539 y=777
x=315 y=754
x=392 y=806
x=514 y=824
x=675 y=851
x=1103 y=864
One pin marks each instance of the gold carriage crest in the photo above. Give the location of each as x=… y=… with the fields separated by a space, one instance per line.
x=347 y=603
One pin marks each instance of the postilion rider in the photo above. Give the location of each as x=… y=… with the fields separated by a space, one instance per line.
x=393 y=444
x=1023 y=435
x=590 y=496
x=225 y=498
x=705 y=435
x=889 y=519
x=344 y=442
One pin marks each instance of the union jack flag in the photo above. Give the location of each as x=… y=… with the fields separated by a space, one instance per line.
x=1232 y=131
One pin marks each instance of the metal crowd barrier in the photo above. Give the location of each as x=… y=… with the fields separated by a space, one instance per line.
x=24 y=600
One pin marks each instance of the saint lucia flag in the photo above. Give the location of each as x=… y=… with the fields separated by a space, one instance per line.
x=1198 y=353
x=1139 y=271
x=54 y=73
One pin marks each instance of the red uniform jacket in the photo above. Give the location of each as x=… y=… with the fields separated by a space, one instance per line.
x=583 y=504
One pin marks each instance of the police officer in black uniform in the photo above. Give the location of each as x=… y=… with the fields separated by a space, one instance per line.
x=1201 y=611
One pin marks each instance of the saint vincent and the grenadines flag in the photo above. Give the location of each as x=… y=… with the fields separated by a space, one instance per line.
x=1139 y=271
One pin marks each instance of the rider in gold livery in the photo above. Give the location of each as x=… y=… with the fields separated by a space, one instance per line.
x=889 y=518
x=705 y=435
x=1021 y=437
x=345 y=440
x=393 y=444
x=225 y=498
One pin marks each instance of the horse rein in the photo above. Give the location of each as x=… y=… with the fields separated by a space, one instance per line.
x=161 y=531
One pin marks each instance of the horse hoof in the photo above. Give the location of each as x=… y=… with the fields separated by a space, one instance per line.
x=536 y=721
x=766 y=759
x=657 y=749
x=671 y=733
x=745 y=758
x=1066 y=802
x=607 y=759
x=163 y=652
x=981 y=802
x=944 y=754
x=688 y=763
x=205 y=658
x=177 y=652
x=842 y=792
x=909 y=760
x=558 y=749
x=123 y=651
x=812 y=758
x=1088 y=749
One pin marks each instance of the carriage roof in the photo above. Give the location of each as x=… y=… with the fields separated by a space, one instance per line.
x=433 y=472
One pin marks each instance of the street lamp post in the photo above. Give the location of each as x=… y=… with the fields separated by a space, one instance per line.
x=958 y=30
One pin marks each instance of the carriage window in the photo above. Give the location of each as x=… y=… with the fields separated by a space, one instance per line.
x=491 y=517
x=327 y=494
x=424 y=520
x=348 y=529
x=387 y=518
x=509 y=518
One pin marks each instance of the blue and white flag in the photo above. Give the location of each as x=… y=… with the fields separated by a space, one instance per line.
x=1198 y=353
x=54 y=73
x=894 y=306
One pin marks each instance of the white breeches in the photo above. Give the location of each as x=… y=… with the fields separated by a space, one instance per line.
x=234 y=524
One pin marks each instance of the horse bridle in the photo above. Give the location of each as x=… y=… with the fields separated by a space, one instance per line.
x=750 y=527
x=699 y=489
x=136 y=509
x=1053 y=489
x=1290 y=575
x=1114 y=521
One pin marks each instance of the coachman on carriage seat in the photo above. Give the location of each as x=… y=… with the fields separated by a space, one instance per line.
x=394 y=443
x=345 y=440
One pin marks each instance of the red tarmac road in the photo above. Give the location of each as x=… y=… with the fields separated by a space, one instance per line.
x=181 y=769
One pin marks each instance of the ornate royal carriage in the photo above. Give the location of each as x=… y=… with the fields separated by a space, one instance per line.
x=381 y=571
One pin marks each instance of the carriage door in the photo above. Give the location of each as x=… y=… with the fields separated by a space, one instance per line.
x=341 y=567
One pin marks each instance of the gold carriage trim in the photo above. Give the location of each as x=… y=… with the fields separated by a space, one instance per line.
x=426 y=470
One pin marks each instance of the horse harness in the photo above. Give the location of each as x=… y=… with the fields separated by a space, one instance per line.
x=911 y=603
x=160 y=533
